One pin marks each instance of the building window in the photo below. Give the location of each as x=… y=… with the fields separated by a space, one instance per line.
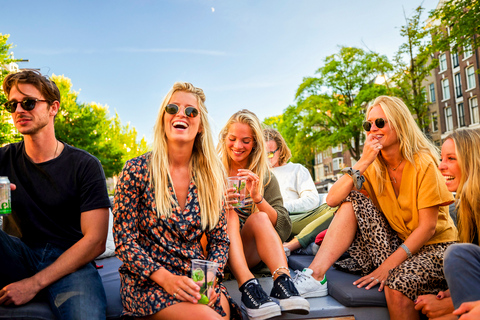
x=448 y=119
x=443 y=62
x=460 y=115
x=474 y=110
x=432 y=92
x=467 y=51
x=434 y=121
x=319 y=158
x=458 y=85
x=445 y=89
x=337 y=149
x=455 y=62
x=337 y=163
x=470 y=78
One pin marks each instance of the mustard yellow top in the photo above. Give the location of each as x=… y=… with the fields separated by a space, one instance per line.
x=421 y=187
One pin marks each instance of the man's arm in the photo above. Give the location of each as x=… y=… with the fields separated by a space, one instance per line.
x=94 y=224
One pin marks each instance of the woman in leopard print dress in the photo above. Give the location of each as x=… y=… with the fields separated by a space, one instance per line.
x=396 y=226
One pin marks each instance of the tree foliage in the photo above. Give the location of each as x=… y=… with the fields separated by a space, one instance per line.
x=8 y=133
x=330 y=107
x=462 y=17
x=413 y=64
x=87 y=126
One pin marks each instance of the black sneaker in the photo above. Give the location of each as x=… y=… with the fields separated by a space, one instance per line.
x=256 y=302
x=286 y=295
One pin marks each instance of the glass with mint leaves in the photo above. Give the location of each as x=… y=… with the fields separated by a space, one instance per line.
x=239 y=183
x=204 y=273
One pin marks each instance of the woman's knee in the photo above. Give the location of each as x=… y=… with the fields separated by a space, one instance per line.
x=259 y=219
x=396 y=297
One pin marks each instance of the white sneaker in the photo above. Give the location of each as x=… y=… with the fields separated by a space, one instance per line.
x=307 y=286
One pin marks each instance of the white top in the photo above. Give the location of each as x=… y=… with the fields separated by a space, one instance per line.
x=297 y=187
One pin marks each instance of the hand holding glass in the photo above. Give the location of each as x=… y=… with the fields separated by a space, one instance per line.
x=204 y=273
x=239 y=184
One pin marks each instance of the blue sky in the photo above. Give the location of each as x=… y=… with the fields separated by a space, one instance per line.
x=242 y=53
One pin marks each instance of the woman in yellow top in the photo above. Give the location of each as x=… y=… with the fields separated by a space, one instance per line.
x=396 y=237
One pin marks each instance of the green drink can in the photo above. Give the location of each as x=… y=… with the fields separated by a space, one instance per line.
x=5 y=200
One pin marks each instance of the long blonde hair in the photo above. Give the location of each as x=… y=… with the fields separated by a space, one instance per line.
x=257 y=159
x=205 y=167
x=467 y=149
x=412 y=139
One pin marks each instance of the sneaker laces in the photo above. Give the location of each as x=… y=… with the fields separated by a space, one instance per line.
x=257 y=293
x=289 y=286
x=299 y=276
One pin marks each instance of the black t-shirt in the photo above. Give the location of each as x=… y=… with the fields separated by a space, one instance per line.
x=50 y=196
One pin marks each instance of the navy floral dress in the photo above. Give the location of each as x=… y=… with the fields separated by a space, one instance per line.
x=146 y=243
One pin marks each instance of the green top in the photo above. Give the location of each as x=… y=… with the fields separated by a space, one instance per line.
x=273 y=196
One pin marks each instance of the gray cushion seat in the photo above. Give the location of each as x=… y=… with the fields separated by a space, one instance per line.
x=39 y=310
x=340 y=285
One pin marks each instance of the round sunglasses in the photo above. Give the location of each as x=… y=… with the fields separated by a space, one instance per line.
x=379 y=123
x=28 y=104
x=270 y=154
x=190 y=112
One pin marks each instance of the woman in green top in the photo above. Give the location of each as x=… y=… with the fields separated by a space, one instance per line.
x=256 y=231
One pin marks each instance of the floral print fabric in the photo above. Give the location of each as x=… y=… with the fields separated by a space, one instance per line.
x=146 y=243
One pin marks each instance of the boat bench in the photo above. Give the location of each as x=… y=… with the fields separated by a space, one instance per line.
x=344 y=299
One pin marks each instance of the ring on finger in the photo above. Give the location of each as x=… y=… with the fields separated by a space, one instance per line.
x=372 y=278
x=377 y=280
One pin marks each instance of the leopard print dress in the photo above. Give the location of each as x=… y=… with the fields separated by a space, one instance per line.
x=375 y=241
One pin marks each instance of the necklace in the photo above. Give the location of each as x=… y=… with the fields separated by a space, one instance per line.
x=393 y=169
x=56 y=148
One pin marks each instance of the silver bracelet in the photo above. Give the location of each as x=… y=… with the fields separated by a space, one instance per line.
x=404 y=247
x=358 y=179
x=259 y=201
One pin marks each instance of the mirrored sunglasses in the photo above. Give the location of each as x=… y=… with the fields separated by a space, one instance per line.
x=379 y=123
x=270 y=154
x=190 y=112
x=28 y=104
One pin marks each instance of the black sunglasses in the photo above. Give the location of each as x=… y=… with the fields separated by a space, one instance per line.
x=190 y=112
x=28 y=104
x=379 y=123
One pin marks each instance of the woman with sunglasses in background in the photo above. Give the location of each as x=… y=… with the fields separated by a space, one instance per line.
x=165 y=201
x=256 y=231
x=396 y=238
x=461 y=168
x=300 y=196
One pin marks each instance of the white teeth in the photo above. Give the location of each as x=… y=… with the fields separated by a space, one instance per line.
x=448 y=178
x=180 y=124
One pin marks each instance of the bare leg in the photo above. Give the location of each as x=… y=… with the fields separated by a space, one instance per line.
x=339 y=237
x=236 y=257
x=400 y=306
x=262 y=243
x=292 y=244
x=185 y=310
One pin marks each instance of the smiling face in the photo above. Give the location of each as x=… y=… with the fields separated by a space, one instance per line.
x=386 y=136
x=179 y=127
x=239 y=143
x=449 y=166
x=33 y=121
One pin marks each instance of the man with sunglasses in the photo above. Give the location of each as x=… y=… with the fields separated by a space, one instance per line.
x=59 y=209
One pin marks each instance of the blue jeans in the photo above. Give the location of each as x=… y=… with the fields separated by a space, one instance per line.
x=462 y=271
x=79 y=295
